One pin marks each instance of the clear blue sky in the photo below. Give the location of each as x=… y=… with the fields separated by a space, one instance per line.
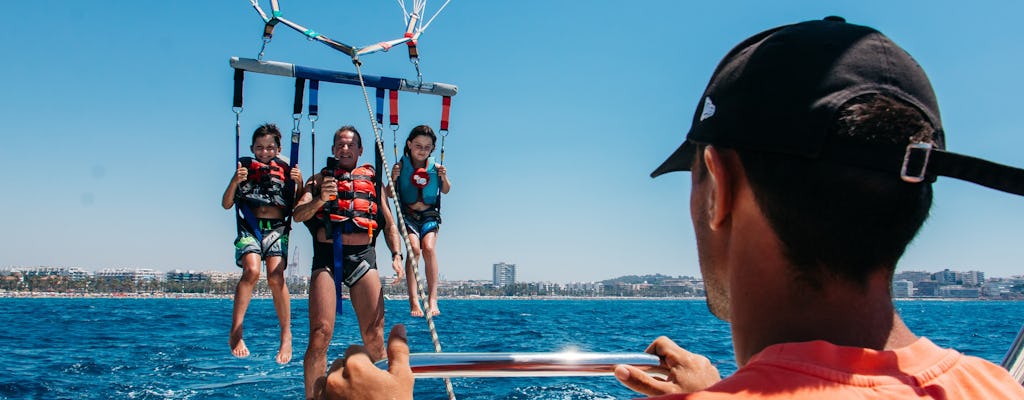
x=119 y=138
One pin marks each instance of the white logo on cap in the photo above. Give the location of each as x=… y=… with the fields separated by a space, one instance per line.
x=709 y=109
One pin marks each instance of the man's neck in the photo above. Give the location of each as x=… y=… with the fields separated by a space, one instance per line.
x=840 y=313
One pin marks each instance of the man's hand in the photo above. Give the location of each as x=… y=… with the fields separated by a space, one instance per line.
x=328 y=189
x=687 y=372
x=356 y=378
x=399 y=266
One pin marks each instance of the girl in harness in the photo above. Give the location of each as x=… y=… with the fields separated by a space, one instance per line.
x=420 y=183
x=261 y=189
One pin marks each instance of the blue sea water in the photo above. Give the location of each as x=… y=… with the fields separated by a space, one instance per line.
x=177 y=348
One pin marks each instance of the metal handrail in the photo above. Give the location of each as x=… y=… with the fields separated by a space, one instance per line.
x=504 y=365
x=1014 y=360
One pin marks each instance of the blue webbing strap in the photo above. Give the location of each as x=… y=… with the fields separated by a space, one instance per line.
x=380 y=106
x=246 y=216
x=314 y=96
x=314 y=114
x=339 y=262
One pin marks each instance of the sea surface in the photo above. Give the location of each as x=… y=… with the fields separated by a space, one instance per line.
x=177 y=348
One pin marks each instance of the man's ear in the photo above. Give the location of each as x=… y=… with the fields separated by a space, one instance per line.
x=721 y=196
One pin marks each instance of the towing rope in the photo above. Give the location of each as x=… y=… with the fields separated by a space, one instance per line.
x=401 y=222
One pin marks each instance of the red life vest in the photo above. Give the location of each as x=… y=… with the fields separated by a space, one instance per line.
x=265 y=185
x=356 y=200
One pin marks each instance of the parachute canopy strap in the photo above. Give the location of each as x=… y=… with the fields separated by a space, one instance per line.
x=414 y=54
x=393 y=108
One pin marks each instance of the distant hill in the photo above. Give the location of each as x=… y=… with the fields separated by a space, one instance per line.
x=652 y=279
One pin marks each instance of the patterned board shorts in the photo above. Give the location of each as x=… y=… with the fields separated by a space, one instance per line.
x=274 y=243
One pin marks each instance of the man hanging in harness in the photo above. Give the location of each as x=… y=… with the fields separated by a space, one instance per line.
x=421 y=182
x=263 y=188
x=344 y=211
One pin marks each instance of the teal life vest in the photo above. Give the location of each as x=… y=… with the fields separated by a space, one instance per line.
x=419 y=185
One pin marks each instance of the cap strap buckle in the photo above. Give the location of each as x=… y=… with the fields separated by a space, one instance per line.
x=916 y=165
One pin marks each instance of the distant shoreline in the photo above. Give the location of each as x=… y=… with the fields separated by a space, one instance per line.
x=54 y=295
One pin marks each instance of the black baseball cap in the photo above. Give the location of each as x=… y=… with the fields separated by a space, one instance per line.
x=779 y=90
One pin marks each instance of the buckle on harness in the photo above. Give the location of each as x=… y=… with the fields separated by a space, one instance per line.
x=915 y=165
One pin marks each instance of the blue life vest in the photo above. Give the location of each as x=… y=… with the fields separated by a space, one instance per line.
x=419 y=186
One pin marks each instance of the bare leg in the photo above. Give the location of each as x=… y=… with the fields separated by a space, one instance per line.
x=410 y=276
x=322 y=308
x=430 y=263
x=282 y=304
x=243 y=294
x=368 y=301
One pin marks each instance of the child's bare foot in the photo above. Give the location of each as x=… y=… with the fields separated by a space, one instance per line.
x=238 y=348
x=416 y=312
x=434 y=311
x=284 y=354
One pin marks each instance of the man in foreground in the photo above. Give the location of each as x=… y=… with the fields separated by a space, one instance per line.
x=812 y=154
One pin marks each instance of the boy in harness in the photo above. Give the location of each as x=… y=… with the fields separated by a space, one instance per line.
x=264 y=189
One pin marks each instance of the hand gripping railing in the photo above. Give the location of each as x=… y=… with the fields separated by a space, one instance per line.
x=505 y=365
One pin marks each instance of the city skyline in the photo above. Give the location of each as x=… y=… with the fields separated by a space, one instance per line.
x=899 y=275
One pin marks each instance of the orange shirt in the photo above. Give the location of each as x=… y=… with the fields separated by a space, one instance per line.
x=821 y=370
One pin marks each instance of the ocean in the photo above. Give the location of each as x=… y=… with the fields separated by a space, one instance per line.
x=97 y=348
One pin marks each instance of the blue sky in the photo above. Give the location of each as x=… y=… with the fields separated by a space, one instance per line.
x=119 y=138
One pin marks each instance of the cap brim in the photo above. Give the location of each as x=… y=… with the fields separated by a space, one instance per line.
x=680 y=160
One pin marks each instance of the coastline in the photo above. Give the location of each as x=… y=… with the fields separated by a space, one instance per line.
x=55 y=295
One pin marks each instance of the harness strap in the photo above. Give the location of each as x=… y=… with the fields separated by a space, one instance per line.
x=339 y=262
x=351 y=214
x=314 y=96
x=314 y=114
x=236 y=106
x=446 y=105
x=393 y=95
x=239 y=77
x=380 y=106
x=246 y=216
x=356 y=195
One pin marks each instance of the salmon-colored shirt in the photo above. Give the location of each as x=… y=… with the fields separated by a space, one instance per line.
x=821 y=370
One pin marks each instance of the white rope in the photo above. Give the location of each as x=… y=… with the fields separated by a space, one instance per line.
x=434 y=16
x=401 y=224
x=405 y=13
